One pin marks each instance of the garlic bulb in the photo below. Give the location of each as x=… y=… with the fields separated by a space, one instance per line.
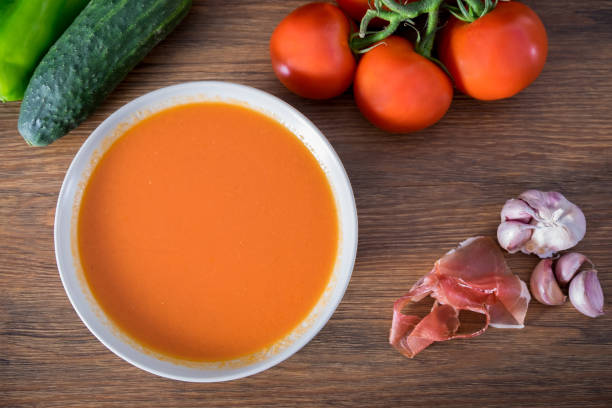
x=567 y=266
x=586 y=294
x=540 y=223
x=543 y=285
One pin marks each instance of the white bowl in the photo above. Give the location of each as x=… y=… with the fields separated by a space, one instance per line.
x=70 y=196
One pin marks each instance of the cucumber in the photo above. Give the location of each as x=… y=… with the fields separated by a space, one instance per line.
x=89 y=60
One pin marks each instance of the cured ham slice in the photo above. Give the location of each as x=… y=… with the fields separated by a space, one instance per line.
x=473 y=277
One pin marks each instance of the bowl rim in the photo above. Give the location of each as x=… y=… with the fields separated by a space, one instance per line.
x=87 y=151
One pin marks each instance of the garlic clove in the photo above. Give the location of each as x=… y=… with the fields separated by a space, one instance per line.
x=512 y=235
x=568 y=265
x=586 y=294
x=516 y=210
x=543 y=285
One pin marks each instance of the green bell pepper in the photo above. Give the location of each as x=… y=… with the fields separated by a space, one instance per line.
x=28 y=28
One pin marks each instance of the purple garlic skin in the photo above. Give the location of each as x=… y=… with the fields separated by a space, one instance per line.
x=586 y=294
x=544 y=286
x=567 y=266
x=550 y=223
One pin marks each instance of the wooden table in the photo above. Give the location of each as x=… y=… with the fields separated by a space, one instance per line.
x=417 y=195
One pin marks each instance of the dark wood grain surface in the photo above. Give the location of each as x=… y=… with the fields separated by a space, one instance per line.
x=417 y=196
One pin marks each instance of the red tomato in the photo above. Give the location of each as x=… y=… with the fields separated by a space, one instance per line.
x=497 y=55
x=399 y=90
x=310 y=51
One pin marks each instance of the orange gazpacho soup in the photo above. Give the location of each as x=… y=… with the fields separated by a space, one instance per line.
x=207 y=232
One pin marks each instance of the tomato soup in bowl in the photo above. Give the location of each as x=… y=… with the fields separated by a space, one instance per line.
x=205 y=231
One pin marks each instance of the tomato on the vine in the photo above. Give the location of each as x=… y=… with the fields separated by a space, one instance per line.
x=399 y=90
x=310 y=51
x=497 y=55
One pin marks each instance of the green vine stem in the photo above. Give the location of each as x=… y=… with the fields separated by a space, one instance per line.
x=395 y=14
x=425 y=45
x=361 y=41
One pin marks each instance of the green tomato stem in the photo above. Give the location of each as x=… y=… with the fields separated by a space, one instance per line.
x=363 y=40
x=425 y=46
x=410 y=10
x=476 y=5
x=396 y=14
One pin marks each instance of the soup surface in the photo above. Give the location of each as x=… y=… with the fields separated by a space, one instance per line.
x=207 y=232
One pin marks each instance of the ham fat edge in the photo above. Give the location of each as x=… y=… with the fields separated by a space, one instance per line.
x=472 y=277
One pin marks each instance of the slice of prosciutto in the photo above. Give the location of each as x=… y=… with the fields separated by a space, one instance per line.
x=473 y=277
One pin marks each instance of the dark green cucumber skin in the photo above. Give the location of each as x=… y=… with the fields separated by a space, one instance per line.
x=89 y=60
